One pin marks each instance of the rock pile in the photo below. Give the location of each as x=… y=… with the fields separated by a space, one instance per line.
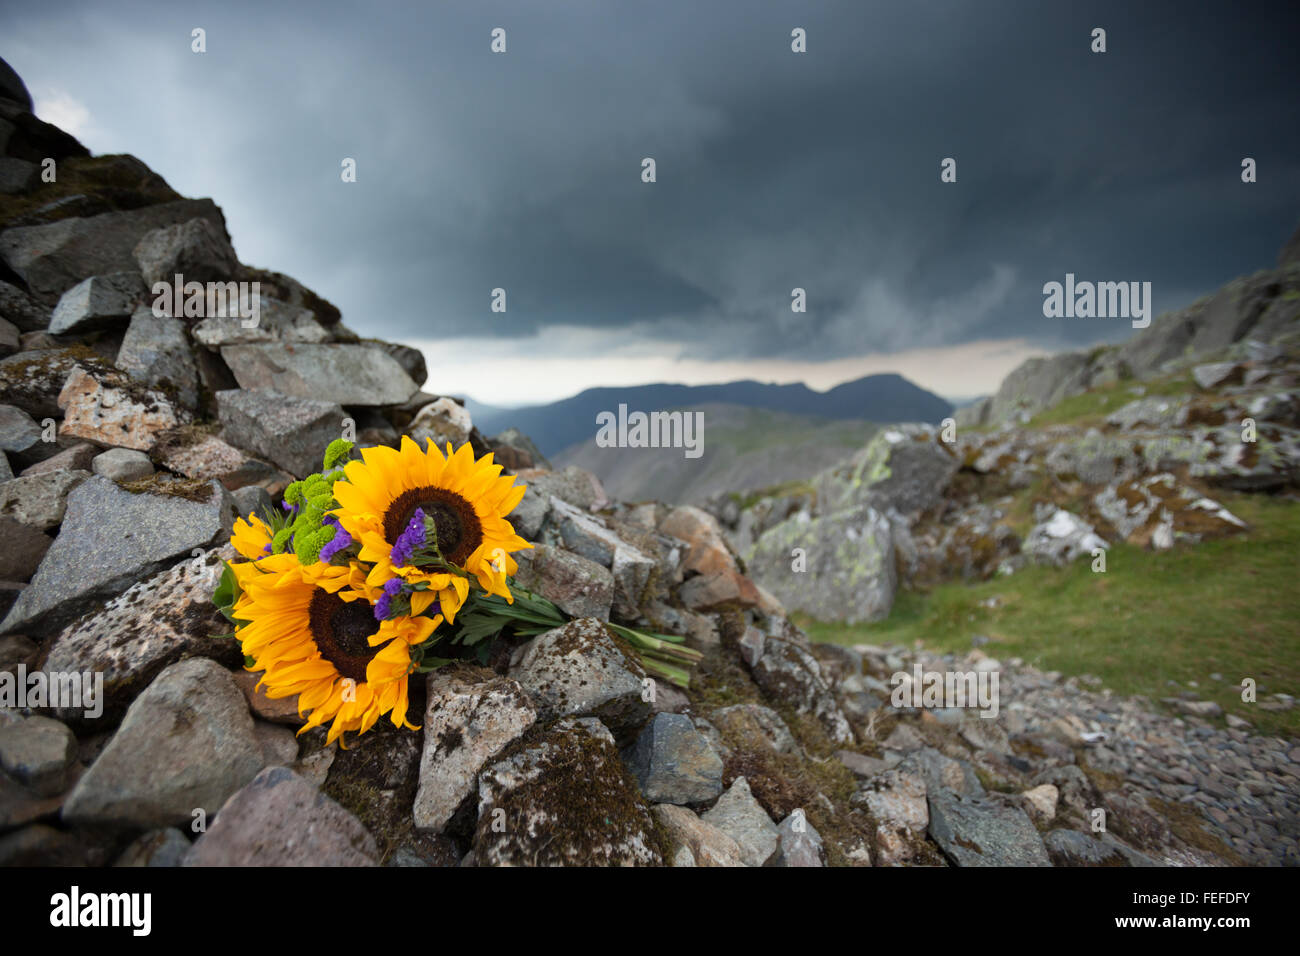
x=130 y=734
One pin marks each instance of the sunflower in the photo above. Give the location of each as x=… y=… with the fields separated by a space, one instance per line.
x=423 y=518
x=313 y=631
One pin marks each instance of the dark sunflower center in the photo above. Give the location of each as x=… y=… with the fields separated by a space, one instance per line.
x=340 y=630
x=458 y=527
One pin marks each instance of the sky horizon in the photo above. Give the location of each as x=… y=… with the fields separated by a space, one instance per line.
x=775 y=170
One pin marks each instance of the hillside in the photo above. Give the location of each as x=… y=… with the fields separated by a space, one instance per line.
x=744 y=447
x=875 y=398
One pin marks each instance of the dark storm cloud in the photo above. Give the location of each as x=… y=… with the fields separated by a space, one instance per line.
x=775 y=170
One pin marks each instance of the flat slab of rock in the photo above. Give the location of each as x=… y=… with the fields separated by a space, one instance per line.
x=152 y=624
x=186 y=743
x=564 y=799
x=111 y=539
x=279 y=819
x=674 y=762
x=124 y=415
x=291 y=432
x=344 y=374
x=580 y=669
x=469 y=720
x=198 y=249
x=982 y=832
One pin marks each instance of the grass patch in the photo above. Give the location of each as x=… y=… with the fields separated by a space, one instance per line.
x=1229 y=606
x=1092 y=407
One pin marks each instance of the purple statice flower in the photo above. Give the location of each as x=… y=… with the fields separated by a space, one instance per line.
x=339 y=542
x=409 y=541
x=288 y=507
x=384 y=606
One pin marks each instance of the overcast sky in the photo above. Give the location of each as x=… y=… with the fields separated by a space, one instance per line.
x=820 y=170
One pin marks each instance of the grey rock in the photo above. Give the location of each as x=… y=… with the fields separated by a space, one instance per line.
x=577 y=586
x=110 y=539
x=441 y=422
x=1072 y=848
x=289 y=431
x=166 y=846
x=22 y=310
x=150 y=625
x=39 y=501
x=941 y=772
x=849 y=558
x=743 y=818
x=122 y=464
x=96 y=303
x=1062 y=539
x=579 y=669
x=528 y=515
x=156 y=351
x=470 y=718
x=759 y=723
x=18 y=430
x=53 y=258
x=239 y=320
x=279 y=744
x=896 y=799
x=788 y=672
x=251 y=499
x=279 y=819
x=38 y=752
x=345 y=374
x=905 y=467
x=674 y=763
x=983 y=832
x=11 y=338
x=22 y=548
x=516 y=450
x=578 y=487
x=1215 y=374
x=549 y=792
x=186 y=743
x=411 y=360
x=17 y=175
x=705 y=843
x=197 y=249
x=799 y=844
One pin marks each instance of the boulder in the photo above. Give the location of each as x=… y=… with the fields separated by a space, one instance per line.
x=112 y=538
x=849 y=559
x=674 y=762
x=114 y=411
x=905 y=467
x=563 y=798
x=53 y=258
x=344 y=374
x=99 y=302
x=289 y=431
x=582 y=669
x=707 y=845
x=147 y=627
x=441 y=422
x=156 y=352
x=186 y=743
x=197 y=249
x=470 y=718
x=788 y=672
x=39 y=501
x=279 y=819
x=743 y=818
x=577 y=586
x=122 y=464
x=982 y=832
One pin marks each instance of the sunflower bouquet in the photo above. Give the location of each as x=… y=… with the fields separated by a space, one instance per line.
x=375 y=562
